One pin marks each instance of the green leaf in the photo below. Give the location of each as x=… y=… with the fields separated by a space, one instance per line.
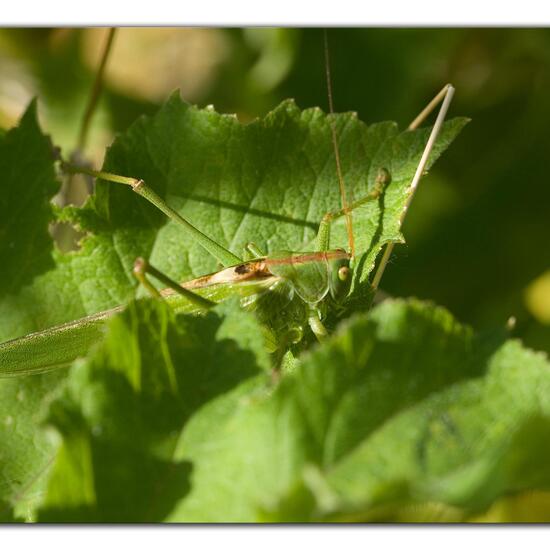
x=26 y=453
x=39 y=286
x=465 y=446
x=271 y=181
x=124 y=408
x=430 y=416
x=375 y=367
x=28 y=183
x=403 y=409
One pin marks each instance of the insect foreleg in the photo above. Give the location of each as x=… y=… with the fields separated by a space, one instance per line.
x=323 y=235
x=255 y=251
x=142 y=268
x=316 y=325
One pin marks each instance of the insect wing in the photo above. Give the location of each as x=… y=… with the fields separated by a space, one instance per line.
x=306 y=272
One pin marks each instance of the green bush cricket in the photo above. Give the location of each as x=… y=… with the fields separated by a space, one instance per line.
x=290 y=291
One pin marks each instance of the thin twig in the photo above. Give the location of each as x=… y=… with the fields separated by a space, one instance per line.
x=96 y=92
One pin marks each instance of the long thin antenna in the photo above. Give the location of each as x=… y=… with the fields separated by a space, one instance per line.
x=96 y=91
x=349 y=223
x=447 y=93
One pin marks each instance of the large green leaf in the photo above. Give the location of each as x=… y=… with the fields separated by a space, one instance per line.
x=123 y=411
x=404 y=406
x=270 y=181
x=26 y=452
x=27 y=183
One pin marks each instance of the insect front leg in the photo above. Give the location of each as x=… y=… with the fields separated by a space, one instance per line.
x=255 y=251
x=142 y=268
x=316 y=324
x=323 y=235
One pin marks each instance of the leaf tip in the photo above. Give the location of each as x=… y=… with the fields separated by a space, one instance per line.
x=31 y=112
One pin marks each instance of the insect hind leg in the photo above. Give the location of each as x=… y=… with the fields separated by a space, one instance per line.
x=444 y=97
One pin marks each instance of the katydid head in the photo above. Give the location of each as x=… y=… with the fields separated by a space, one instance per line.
x=340 y=277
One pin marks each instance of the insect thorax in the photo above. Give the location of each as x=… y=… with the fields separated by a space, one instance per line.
x=313 y=275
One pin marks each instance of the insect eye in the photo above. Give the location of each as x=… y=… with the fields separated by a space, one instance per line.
x=383 y=177
x=343 y=273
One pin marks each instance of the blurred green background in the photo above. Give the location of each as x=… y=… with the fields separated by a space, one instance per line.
x=478 y=232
